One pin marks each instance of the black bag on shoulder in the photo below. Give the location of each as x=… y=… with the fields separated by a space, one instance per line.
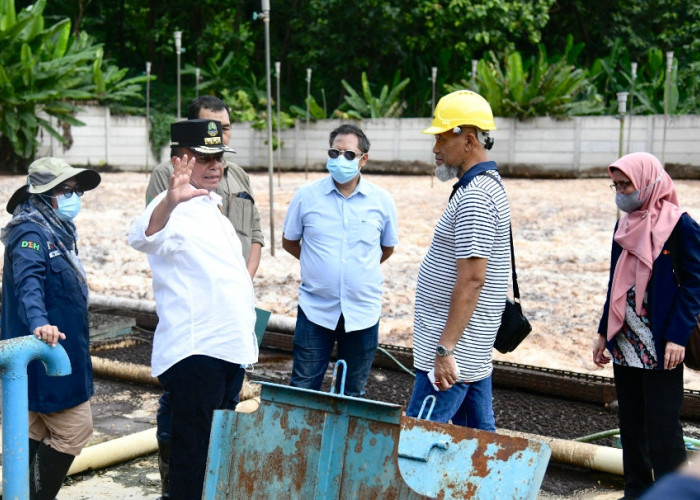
x=514 y=325
x=692 y=348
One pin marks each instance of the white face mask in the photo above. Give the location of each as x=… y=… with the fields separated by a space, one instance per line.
x=445 y=173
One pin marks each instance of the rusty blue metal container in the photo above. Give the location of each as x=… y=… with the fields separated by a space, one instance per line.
x=451 y=461
x=304 y=444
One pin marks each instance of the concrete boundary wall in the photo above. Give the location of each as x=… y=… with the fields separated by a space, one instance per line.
x=541 y=146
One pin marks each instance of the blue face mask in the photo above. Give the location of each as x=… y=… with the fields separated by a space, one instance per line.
x=68 y=208
x=343 y=170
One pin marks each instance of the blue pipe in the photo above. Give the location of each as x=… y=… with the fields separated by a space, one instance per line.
x=15 y=355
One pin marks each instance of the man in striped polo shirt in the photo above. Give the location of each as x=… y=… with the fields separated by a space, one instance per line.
x=463 y=280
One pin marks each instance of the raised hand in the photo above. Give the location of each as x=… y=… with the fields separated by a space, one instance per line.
x=179 y=189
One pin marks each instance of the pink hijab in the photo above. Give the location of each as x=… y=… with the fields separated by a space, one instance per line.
x=641 y=233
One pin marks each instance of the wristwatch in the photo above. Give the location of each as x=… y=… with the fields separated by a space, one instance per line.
x=444 y=351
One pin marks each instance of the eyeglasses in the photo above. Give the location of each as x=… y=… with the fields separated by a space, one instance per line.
x=620 y=186
x=349 y=154
x=68 y=191
x=205 y=159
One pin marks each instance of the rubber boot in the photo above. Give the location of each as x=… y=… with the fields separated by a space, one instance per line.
x=164 y=468
x=33 y=446
x=48 y=472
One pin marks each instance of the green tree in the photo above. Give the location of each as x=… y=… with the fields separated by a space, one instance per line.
x=339 y=40
x=46 y=71
x=621 y=32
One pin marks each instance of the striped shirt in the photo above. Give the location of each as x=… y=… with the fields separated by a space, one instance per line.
x=475 y=223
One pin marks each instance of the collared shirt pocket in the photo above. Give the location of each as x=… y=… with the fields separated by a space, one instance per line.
x=240 y=213
x=370 y=232
x=66 y=282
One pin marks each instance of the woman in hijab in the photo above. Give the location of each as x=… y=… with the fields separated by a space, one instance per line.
x=652 y=302
x=45 y=294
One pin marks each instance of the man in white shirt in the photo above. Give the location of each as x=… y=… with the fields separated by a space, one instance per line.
x=204 y=297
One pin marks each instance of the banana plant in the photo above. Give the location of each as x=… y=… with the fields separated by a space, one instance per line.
x=316 y=111
x=387 y=104
x=46 y=70
x=538 y=87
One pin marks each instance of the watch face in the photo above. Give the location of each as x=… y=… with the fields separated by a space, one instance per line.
x=442 y=351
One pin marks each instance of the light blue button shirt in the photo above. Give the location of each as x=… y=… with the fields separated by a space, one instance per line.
x=341 y=250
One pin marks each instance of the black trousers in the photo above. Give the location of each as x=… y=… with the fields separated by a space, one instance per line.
x=650 y=426
x=198 y=385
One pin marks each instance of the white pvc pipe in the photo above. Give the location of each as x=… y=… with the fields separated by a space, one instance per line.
x=589 y=456
x=132 y=446
x=115 y=451
x=277 y=322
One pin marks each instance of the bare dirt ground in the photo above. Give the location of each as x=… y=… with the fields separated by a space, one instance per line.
x=562 y=231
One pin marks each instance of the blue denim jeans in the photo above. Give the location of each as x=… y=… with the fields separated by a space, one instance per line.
x=468 y=405
x=313 y=346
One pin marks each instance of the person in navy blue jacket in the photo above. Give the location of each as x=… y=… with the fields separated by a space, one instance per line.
x=45 y=293
x=652 y=303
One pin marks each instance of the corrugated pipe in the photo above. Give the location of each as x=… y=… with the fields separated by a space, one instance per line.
x=140 y=374
x=123 y=371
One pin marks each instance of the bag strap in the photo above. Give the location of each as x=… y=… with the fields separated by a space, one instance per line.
x=516 y=289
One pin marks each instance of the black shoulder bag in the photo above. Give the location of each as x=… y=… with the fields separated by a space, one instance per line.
x=514 y=325
x=692 y=348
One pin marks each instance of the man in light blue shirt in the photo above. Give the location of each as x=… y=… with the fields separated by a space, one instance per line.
x=340 y=228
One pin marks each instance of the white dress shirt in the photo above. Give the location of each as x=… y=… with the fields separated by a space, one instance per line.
x=204 y=294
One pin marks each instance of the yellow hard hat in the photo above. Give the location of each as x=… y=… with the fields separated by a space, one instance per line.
x=462 y=107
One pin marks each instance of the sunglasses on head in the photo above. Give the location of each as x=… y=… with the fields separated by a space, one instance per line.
x=349 y=154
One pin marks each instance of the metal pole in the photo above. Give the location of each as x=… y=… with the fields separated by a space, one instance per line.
x=667 y=90
x=621 y=108
x=271 y=167
x=621 y=104
x=631 y=111
x=474 y=64
x=308 y=107
x=148 y=112
x=196 y=82
x=278 y=66
x=433 y=79
x=178 y=51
